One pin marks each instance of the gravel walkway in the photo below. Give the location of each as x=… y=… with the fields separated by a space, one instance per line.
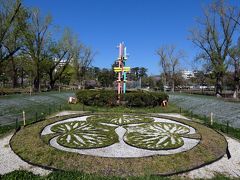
x=9 y=161
x=230 y=167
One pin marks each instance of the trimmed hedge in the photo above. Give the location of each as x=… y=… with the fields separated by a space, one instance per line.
x=130 y=99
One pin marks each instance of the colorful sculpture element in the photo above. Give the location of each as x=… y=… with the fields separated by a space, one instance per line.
x=121 y=69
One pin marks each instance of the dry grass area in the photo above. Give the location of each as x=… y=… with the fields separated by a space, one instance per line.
x=30 y=147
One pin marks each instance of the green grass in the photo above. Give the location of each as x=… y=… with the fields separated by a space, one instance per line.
x=148 y=136
x=100 y=135
x=119 y=119
x=29 y=146
x=121 y=109
x=75 y=175
x=71 y=175
x=4 y=130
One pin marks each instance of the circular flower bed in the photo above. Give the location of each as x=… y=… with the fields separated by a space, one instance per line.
x=125 y=144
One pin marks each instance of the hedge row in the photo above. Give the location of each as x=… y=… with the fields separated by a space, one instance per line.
x=130 y=99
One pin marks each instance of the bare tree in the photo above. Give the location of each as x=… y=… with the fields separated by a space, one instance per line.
x=214 y=37
x=82 y=63
x=169 y=61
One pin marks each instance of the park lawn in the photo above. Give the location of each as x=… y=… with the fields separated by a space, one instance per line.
x=171 y=108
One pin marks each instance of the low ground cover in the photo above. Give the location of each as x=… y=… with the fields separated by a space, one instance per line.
x=119 y=119
x=63 y=175
x=99 y=131
x=223 y=112
x=84 y=135
x=156 y=136
x=11 y=107
x=29 y=146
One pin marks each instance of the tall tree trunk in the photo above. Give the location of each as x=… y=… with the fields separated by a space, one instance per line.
x=164 y=83
x=236 y=80
x=13 y=73
x=173 y=83
x=22 y=77
x=36 y=83
x=52 y=84
x=236 y=91
x=219 y=84
x=51 y=81
x=37 y=80
x=237 y=84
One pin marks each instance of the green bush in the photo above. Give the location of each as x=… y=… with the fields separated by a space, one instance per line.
x=97 y=98
x=131 y=99
x=144 y=99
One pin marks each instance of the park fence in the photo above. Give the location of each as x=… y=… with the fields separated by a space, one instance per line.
x=215 y=121
x=27 y=117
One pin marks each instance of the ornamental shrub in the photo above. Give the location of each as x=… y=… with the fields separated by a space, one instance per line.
x=144 y=99
x=131 y=99
x=97 y=98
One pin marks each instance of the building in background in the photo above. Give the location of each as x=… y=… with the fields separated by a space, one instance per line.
x=186 y=74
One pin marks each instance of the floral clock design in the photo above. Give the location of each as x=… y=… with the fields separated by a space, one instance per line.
x=99 y=131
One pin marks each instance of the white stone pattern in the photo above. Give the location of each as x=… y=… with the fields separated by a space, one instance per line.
x=163 y=133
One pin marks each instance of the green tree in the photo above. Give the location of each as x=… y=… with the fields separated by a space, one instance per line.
x=36 y=43
x=14 y=43
x=60 y=55
x=106 y=77
x=9 y=10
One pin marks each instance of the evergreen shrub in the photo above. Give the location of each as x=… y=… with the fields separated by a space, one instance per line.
x=131 y=99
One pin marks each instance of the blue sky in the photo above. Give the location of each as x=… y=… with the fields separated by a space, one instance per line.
x=144 y=25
